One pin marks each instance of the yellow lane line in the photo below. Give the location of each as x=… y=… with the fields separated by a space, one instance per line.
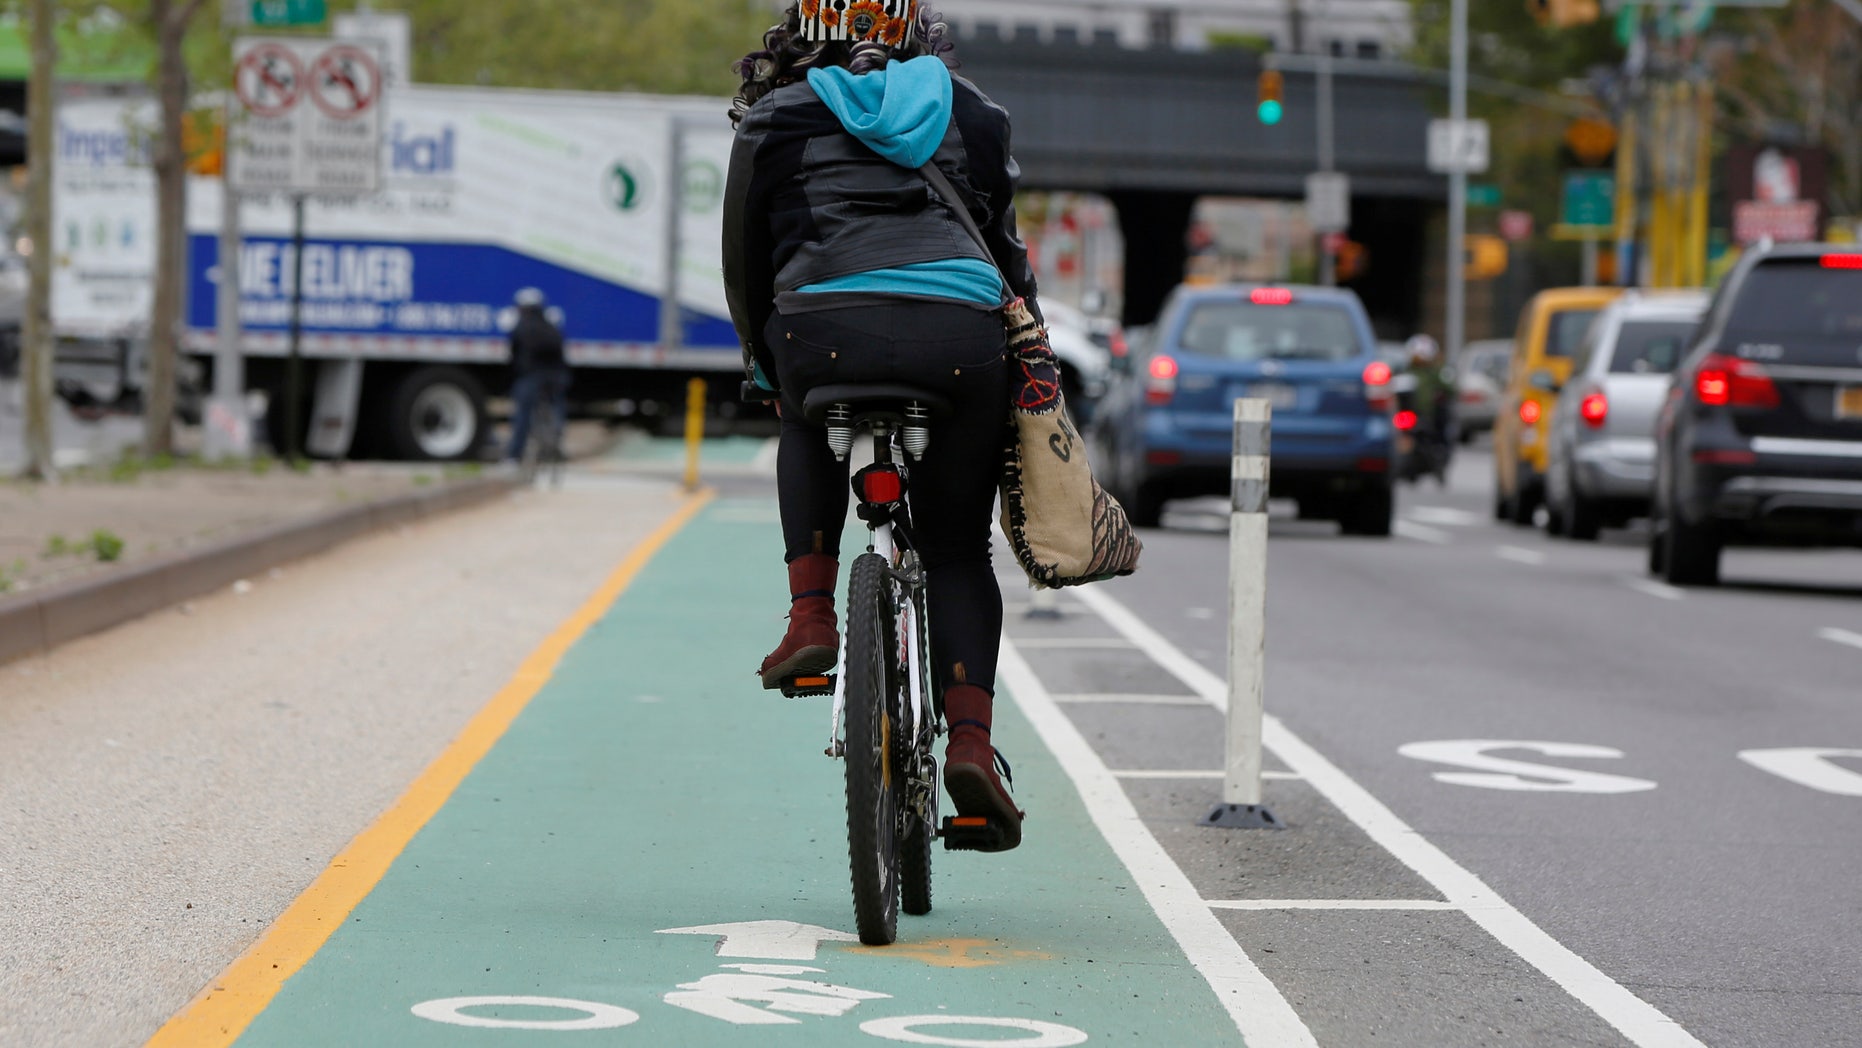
x=228 y=1004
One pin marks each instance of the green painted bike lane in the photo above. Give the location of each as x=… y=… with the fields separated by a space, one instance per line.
x=650 y=785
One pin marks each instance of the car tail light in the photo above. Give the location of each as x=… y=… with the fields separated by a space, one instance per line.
x=1377 y=384
x=881 y=486
x=1724 y=381
x=1723 y=457
x=1373 y=465
x=1271 y=296
x=1404 y=420
x=1842 y=261
x=1117 y=345
x=1594 y=409
x=1162 y=383
x=1529 y=412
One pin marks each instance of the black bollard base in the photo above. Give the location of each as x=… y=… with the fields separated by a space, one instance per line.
x=1241 y=817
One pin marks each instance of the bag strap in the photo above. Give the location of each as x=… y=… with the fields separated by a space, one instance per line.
x=940 y=182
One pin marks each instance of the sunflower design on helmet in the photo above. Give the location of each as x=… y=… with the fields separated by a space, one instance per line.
x=891 y=22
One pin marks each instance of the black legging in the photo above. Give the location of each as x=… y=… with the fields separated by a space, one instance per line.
x=949 y=349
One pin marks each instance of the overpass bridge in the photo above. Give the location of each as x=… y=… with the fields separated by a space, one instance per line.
x=1154 y=130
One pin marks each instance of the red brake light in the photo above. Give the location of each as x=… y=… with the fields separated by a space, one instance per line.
x=1377 y=373
x=1270 y=296
x=1724 y=381
x=1594 y=408
x=1116 y=344
x=1529 y=412
x=881 y=486
x=1163 y=382
x=1404 y=420
x=1842 y=261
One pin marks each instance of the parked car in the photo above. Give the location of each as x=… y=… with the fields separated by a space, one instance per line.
x=1759 y=440
x=1480 y=381
x=1600 y=464
x=1084 y=345
x=1165 y=429
x=1550 y=328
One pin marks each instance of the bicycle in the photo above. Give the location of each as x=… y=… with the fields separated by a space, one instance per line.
x=543 y=449
x=882 y=690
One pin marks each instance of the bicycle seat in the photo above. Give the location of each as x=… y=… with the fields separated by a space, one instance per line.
x=869 y=398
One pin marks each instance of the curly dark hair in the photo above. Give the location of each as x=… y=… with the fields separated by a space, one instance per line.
x=786 y=58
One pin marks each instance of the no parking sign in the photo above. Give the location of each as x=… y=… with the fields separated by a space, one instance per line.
x=312 y=115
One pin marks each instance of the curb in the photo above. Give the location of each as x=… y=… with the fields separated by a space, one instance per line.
x=46 y=619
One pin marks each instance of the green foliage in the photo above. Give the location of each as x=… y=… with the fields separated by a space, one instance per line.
x=106 y=545
x=58 y=546
x=10 y=574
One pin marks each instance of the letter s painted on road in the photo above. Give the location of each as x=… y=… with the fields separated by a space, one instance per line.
x=1499 y=773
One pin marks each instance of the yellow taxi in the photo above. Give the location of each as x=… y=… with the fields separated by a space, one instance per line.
x=1550 y=328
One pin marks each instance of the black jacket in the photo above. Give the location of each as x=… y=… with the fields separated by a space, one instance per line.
x=805 y=201
x=536 y=344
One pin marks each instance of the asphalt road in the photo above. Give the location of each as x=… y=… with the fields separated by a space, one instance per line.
x=1628 y=878
x=1725 y=896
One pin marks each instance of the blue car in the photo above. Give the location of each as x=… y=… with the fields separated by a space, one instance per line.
x=1165 y=428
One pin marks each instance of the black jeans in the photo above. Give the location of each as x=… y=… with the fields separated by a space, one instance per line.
x=949 y=349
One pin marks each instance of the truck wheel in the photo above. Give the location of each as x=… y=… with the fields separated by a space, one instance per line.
x=437 y=414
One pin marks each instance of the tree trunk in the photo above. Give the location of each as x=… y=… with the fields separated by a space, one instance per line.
x=37 y=370
x=170 y=163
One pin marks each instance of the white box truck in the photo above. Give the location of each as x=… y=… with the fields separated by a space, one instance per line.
x=406 y=293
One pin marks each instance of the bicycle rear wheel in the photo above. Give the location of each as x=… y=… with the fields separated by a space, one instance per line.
x=875 y=791
x=917 y=827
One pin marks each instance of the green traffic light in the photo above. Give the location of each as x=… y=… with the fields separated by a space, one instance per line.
x=1269 y=112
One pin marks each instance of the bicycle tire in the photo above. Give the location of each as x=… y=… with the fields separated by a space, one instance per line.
x=874 y=790
x=917 y=831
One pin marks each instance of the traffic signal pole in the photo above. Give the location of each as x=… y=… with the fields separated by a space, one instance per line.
x=1328 y=271
x=1457 y=177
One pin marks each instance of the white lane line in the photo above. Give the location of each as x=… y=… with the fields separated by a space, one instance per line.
x=1653 y=588
x=1421 y=533
x=1136 y=700
x=1259 y=1012
x=765 y=460
x=1831 y=633
x=1444 y=515
x=1641 y=1022
x=1520 y=555
x=1192 y=773
x=1067 y=643
x=1330 y=904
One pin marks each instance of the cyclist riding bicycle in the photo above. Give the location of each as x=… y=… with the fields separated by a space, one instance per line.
x=540 y=366
x=842 y=264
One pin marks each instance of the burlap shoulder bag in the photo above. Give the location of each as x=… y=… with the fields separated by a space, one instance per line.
x=1064 y=528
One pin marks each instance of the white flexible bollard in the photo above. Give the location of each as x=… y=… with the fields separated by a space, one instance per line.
x=1241 y=806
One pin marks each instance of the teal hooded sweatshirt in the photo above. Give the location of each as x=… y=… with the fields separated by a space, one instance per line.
x=901 y=112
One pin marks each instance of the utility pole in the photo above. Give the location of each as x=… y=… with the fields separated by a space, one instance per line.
x=1328 y=272
x=1457 y=176
x=36 y=372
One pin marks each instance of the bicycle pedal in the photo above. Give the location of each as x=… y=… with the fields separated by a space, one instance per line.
x=806 y=684
x=972 y=833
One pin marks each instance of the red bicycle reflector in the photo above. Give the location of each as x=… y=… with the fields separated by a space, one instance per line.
x=1404 y=420
x=811 y=682
x=1842 y=261
x=1529 y=412
x=1377 y=373
x=968 y=820
x=1270 y=296
x=1594 y=409
x=882 y=485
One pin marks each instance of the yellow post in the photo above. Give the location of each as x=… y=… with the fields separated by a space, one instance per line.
x=694 y=429
x=1626 y=146
x=1703 y=179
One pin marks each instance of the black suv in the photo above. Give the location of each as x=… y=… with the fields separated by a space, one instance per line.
x=1760 y=438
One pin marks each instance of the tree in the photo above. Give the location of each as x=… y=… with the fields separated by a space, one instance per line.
x=1797 y=73
x=37 y=373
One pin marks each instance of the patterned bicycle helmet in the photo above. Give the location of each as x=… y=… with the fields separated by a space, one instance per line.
x=890 y=22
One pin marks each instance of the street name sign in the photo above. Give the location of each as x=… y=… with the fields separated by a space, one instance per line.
x=287 y=12
x=1587 y=206
x=312 y=116
x=1328 y=201
x=1458 y=146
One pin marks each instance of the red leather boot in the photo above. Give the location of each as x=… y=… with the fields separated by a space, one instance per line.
x=812 y=644
x=970 y=764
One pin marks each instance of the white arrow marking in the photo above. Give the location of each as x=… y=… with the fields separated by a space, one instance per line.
x=1809 y=766
x=767 y=940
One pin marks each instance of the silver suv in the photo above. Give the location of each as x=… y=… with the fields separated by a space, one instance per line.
x=1601 y=464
